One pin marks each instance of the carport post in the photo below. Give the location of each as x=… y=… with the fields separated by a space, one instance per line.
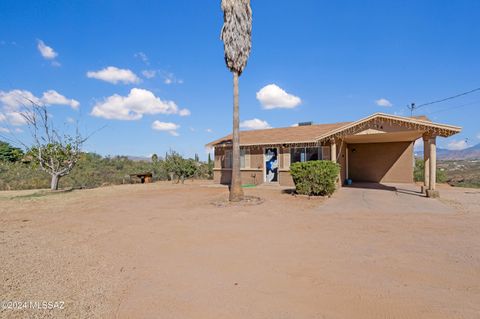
x=432 y=192
x=426 y=162
x=333 y=150
x=333 y=158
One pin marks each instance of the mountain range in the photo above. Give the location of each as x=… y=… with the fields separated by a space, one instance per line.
x=472 y=152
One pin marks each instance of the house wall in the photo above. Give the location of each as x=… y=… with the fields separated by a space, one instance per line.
x=254 y=174
x=372 y=162
x=381 y=162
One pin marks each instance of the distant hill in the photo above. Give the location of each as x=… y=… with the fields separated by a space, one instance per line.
x=444 y=154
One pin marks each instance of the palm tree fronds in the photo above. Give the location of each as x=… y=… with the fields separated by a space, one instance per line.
x=236 y=33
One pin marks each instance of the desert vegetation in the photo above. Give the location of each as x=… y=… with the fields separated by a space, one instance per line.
x=459 y=173
x=418 y=172
x=19 y=171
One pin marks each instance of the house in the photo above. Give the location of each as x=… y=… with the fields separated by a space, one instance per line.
x=378 y=148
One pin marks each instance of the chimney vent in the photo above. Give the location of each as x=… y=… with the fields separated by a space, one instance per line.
x=305 y=123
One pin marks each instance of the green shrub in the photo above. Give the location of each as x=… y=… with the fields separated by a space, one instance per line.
x=315 y=177
x=418 y=172
x=8 y=153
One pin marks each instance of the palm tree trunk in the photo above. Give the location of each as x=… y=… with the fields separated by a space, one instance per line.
x=236 y=192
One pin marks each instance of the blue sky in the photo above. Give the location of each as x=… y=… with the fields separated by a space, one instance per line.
x=168 y=87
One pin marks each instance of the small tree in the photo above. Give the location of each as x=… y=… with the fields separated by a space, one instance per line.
x=8 y=153
x=54 y=152
x=179 y=167
x=210 y=166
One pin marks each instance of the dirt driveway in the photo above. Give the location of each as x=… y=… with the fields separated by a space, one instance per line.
x=164 y=251
x=385 y=198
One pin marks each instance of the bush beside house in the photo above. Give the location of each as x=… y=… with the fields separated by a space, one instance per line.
x=317 y=178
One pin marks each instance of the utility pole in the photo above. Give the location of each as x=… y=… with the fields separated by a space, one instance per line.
x=412 y=108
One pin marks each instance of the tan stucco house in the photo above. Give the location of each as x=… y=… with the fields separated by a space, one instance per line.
x=378 y=148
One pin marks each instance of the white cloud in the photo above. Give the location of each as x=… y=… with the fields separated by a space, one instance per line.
x=457 y=145
x=383 y=102
x=272 y=97
x=254 y=124
x=4 y=130
x=209 y=130
x=70 y=120
x=478 y=136
x=294 y=125
x=53 y=97
x=16 y=118
x=114 y=75
x=46 y=51
x=13 y=118
x=184 y=112
x=56 y=64
x=142 y=56
x=149 y=74
x=15 y=99
x=170 y=78
x=14 y=102
x=134 y=106
x=166 y=127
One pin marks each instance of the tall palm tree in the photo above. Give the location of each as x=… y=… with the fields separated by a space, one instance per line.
x=236 y=36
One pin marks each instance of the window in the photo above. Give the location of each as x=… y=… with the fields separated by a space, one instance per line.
x=227 y=159
x=312 y=153
x=244 y=158
x=297 y=154
x=326 y=153
x=304 y=154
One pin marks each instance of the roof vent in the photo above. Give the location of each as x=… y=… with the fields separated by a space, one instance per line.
x=305 y=123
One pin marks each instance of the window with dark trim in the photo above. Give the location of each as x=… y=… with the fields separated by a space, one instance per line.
x=304 y=154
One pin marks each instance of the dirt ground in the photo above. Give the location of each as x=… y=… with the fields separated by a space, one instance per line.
x=164 y=251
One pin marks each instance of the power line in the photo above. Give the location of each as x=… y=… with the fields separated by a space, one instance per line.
x=446 y=99
x=454 y=107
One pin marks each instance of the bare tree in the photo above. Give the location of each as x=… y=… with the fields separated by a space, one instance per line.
x=55 y=153
x=236 y=36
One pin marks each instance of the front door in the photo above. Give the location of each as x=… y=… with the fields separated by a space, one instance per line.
x=271 y=165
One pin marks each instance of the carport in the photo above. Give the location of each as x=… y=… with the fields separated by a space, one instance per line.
x=379 y=149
